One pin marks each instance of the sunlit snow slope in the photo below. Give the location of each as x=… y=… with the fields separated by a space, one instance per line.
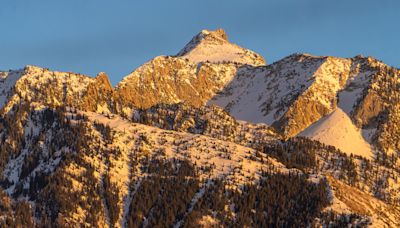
x=337 y=129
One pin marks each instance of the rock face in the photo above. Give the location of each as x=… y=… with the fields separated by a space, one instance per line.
x=376 y=93
x=100 y=96
x=172 y=80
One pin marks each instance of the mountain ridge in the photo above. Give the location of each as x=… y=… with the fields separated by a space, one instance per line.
x=210 y=136
x=279 y=94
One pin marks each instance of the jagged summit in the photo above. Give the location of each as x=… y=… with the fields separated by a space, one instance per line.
x=218 y=36
x=214 y=46
x=220 y=33
x=102 y=78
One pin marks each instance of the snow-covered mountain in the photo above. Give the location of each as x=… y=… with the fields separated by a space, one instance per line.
x=289 y=95
x=299 y=90
x=211 y=136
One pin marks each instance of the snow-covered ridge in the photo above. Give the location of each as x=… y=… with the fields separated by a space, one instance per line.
x=195 y=144
x=262 y=95
x=297 y=90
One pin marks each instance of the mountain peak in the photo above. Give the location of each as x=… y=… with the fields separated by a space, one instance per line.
x=213 y=46
x=102 y=75
x=218 y=33
x=103 y=80
x=217 y=36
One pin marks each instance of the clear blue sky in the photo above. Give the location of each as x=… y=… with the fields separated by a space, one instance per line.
x=89 y=36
